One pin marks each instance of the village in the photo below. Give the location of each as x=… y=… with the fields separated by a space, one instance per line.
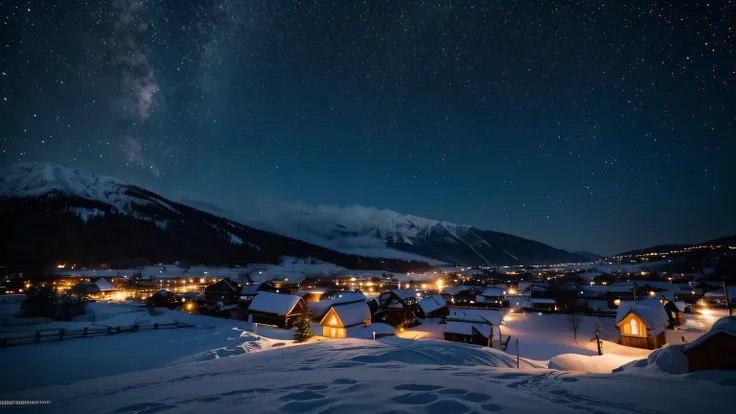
x=469 y=305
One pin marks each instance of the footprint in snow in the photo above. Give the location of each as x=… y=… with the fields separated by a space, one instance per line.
x=415 y=398
x=416 y=387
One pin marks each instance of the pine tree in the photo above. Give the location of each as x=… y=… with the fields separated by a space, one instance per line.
x=303 y=328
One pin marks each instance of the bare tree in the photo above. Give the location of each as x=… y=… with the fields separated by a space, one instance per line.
x=574 y=318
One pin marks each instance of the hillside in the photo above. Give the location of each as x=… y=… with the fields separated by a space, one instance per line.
x=53 y=214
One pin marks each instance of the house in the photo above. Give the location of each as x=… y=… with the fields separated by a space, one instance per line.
x=542 y=304
x=675 y=311
x=277 y=309
x=342 y=316
x=225 y=291
x=307 y=283
x=642 y=324
x=715 y=349
x=105 y=286
x=469 y=332
x=491 y=297
x=433 y=307
x=461 y=294
x=395 y=307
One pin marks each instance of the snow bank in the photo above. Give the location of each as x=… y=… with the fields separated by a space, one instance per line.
x=668 y=359
x=594 y=364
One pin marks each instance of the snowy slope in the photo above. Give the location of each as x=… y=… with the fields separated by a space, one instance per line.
x=363 y=376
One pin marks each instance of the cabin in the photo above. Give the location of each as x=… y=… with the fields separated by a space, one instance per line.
x=675 y=312
x=715 y=349
x=542 y=304
x=395 y=307
x=277 y=309
x=642 y=324
x=307 y=284
x=469 y=332
x=491 y=297
x=164 y=299
x=342 y=316
x=225 y=291
x=433 y=307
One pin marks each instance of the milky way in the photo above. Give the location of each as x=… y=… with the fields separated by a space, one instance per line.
x=584 y=124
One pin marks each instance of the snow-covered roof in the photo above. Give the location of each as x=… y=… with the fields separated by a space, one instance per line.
x=350 y=313
x=725 y=325
x=405 y=293
x=476 y=315
x=466 y=328
x=651 y=312
x=274 y=303
x=104 y=285
x=432 y=303
x=542 y=300
x=493 y=291
x=250 y=289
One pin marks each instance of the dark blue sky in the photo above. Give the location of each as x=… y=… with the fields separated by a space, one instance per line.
x=588 y=125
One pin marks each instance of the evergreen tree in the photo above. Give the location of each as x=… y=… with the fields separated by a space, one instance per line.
x=303 y=328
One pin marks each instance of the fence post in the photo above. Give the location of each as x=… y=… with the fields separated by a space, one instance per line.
x=85 y=331
x=61 y=334
x=517 y=353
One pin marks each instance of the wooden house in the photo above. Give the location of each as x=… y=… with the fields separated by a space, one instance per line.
x=542 y=304
x=342 y=316
x=491 y=297
x=277 y=309
x=675 y=312
x=469 y=332
x=433 y=307
x=307 y=284
x=248 y=292
x=395 y=307
x=225 y=291
x=715 y=349
x=642 y=324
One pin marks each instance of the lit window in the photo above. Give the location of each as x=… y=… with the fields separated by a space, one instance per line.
x=634 y=327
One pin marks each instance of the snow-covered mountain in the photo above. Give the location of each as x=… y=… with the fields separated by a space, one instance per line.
x=32 y=179
x=384 y=233
x=51 y=213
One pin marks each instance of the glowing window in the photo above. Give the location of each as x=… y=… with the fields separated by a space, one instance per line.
x=634 y=327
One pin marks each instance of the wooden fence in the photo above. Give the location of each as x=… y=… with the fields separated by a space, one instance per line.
x=54 y=335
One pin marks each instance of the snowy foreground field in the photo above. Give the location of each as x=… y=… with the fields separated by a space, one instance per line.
x=393 y=375
x=222 y=366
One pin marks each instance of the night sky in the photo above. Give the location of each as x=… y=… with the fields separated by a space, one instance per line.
x=589 y=125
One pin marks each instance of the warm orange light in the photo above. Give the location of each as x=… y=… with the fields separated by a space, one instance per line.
x=617 y=302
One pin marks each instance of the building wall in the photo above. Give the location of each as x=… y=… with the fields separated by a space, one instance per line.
x=332 y=332
x=716 y=353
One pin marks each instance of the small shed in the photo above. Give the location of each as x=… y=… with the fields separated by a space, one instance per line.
x=469 y=332
x=225 y=291
x=642 y=324
x=715 y=349
x=342 y=316
x=433 y=307
x=277 y=309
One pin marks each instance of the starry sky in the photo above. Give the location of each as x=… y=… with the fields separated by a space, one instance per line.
x=589 y=125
